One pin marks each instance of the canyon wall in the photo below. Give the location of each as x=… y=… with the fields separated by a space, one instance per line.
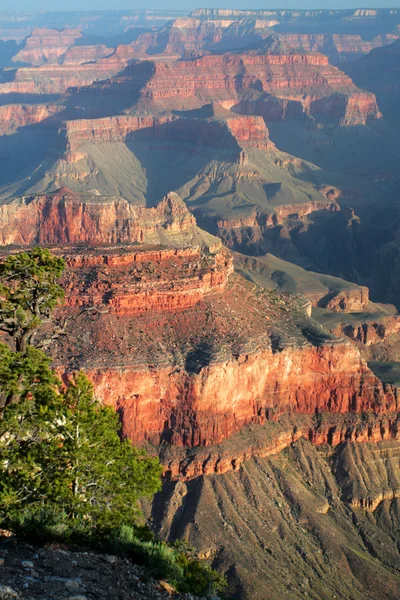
x=206 y=408
x=304 y=78
x=14 y=116
x=233 y=132
x=46 y=46
x=64 y=217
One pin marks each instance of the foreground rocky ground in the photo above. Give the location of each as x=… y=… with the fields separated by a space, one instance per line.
x=54 y=572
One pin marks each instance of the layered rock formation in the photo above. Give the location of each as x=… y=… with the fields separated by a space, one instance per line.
x=46 y=46
x=233 y=384
x=380 y=73
x=80 y=55
x=101 y=23
x=222 y=354
x=226 y=131
x=295 y=517
x=65 y=217
x=202 y=396
x=304 y=78
x=55 y=79
x=339 y=48
x=14 y=116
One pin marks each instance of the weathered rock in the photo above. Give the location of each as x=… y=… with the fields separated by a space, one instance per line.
x=64 y=217
x=46 y=46
x=14 y=116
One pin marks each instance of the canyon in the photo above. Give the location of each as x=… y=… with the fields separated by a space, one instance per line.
x=236 y=386
x=223 y=188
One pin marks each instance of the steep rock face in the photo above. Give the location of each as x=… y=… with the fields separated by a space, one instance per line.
x=139 y=293
x=57 y=77
x=46 y=46
x=380 y=73
x=232 y=132
x=48 y=80
x=264 y=231
x=83 y=54
x=338 y=48
x=270 y=438
x=288 y=525
x=346 y=110
x=14 y=116
x=301 y=77
x=189 y=36
x=350 y=300
x=181 y=36
x=222 y=356
x=206 y=408
x=370 y=333
x=67 y=218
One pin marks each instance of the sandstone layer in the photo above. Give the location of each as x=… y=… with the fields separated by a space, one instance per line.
x=14 y=116
x=46 y=46
x=226 y=132
x=231 y=357
x=305 y=78
x=184 y=352
x=64 y=217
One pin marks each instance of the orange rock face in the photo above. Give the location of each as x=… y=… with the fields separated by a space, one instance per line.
x=14 y=116
x=139 y=294
x=46 y=46
x=67 y=218
x=208 y=407
x=301 y=82
x=231 y=133
x=352 y=300
x=272 y=438
x=189 y=355
x=186 y=351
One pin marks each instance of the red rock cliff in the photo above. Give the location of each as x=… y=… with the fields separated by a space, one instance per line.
x=304 y=78
x=232 y=132
x=14 y=116
x=68 y=218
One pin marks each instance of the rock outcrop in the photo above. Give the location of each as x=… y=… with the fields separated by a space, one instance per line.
x=64 y=217
x=80 y=55
x=212 y=354
x=338 y=47
x=304 y=78
x=14 y=116
x=74 y=572
x=220 y=360
x=226 y=132
x=46 y=46
x=380 y=73
x=77 y=69
x=297 y=516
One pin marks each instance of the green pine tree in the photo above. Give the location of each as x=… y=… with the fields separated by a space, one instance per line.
x=60 y=449
x=28 y=293
x=107 y=476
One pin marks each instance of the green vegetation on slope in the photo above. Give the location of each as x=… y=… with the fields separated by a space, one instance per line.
x=65 y=473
